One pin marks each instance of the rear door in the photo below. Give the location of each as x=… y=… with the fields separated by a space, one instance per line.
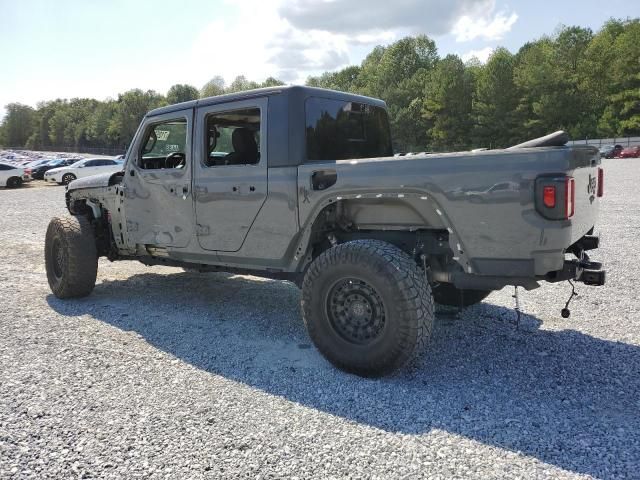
x=158 y=205
x=230 y=168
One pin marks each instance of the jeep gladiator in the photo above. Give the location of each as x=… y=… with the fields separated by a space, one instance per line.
x=301 y=184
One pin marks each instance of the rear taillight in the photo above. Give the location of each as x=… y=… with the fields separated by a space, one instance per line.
x=600 y=181
x=569 y=197
x=555 y=196
x=549 y=196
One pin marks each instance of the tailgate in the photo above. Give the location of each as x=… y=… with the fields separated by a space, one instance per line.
x=588 y=176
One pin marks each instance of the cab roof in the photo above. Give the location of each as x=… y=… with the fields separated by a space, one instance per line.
x=295 y=90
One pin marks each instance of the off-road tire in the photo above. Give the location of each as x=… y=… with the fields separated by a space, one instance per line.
x=448 y=295
x=71 y=257
x=67 y=178
x=14 y=182
x=405 y=298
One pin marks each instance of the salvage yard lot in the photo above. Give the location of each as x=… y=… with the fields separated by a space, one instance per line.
x=161 y=373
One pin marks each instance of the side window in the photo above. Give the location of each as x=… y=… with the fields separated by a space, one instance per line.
x=339 y=130
x=92 y=163
x=4 y=167
x=233 y=138
x=164 y=145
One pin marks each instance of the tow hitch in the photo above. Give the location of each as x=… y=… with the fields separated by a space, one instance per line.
x=580 y=270
x=585 y=271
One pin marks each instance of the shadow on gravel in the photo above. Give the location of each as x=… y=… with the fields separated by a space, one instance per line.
x=566 y=398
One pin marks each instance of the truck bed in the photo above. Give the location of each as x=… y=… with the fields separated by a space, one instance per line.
x=486 y=200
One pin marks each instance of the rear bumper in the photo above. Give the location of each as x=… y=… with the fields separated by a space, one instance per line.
x=520 y=272
x=582 y=268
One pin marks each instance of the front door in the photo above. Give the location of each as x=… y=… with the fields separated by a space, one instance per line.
x=157 y=183
x=230 y=168
x=88 y=168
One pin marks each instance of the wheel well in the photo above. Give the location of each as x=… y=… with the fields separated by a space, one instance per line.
x=391 y=220
x=99 y=218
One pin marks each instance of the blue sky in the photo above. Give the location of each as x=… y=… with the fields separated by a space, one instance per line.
x=89 y=48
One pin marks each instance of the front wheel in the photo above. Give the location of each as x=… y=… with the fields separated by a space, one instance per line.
x=367 y=307
x=67 y=178
x=71 y=257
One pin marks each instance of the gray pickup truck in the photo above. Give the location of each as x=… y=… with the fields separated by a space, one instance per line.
x=301 y=184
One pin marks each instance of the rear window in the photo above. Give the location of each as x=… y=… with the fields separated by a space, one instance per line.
x=338 y=130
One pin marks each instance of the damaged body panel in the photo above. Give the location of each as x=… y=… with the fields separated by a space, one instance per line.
x=241 y=182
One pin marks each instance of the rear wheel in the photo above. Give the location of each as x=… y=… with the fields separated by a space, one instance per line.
x=67 y=178
x=71 y=257
x=447 y=294
x=367 y=307
x=14 y=182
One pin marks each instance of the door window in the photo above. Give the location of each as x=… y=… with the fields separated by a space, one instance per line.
x=164 y=145
x=233 y=138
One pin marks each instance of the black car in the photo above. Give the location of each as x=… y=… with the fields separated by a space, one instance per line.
x=37 y=173
x=610 y=151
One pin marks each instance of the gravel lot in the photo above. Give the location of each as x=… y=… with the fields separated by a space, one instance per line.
x=165 y=374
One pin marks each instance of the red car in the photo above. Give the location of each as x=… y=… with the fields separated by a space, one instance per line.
x=631 y=152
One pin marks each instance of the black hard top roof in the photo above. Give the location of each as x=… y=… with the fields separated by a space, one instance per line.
x=263 y=92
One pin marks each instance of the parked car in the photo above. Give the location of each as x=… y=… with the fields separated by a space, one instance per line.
x=37 y=172
x=82 y=168
x=631 y=152
x=29 y=166
x=610 y=151
x=10 y=175
x=299 y=183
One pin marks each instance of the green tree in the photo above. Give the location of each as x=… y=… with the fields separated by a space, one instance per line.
x=213 y=87
x=241 y=84
x=549 y=75
x=621 y=115
x=496 y=101
x=447 y=104
x=131 y=107
x=272 y=82
x=182 y=93
x=17 y=125
x=345 y=80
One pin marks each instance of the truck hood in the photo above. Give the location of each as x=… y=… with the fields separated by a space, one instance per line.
x=93 y=181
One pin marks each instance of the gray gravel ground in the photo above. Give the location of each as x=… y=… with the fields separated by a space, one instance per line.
x=165 y=374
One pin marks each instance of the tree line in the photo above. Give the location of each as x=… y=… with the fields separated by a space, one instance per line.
x=575 y=80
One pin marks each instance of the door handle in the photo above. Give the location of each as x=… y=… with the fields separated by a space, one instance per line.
x=323 y=179
x=185 y=192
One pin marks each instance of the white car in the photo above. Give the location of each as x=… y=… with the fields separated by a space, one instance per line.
x=11 y=176
x=82 y=168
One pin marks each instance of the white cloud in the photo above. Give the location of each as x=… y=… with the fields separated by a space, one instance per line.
x=482 y=54
x=485 y=27
x=261 y=43
x=292 y=39
x=288 y=39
